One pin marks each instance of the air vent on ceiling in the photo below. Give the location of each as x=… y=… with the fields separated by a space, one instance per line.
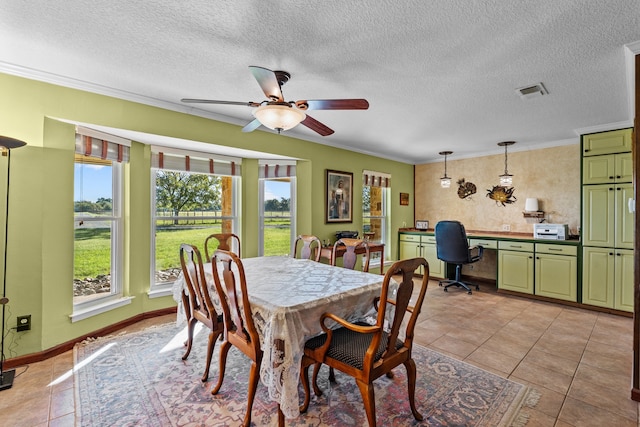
x=531 y=91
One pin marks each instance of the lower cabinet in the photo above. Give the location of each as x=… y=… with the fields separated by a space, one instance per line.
x=415 y=245
x=607 y=279
x=515 y=266
x=556 y=271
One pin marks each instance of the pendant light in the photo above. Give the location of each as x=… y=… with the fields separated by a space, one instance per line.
x=445 y=181
x=506 y=180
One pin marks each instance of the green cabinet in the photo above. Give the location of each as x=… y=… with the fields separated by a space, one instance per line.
x=422 y=245
x=556 y=271
x=608 y=278
x=607 y=169
x=607 y=220
x=616 y=141
x=515 y=266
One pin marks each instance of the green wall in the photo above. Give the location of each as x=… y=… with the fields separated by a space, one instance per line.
x=40 y=238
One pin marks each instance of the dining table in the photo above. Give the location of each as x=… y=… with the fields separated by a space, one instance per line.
x=288 y=297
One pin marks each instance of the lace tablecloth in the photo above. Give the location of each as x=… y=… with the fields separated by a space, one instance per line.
x=287 y=297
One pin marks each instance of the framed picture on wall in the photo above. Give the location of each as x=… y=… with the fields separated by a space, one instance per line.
x=404 y=199
x=339 y=197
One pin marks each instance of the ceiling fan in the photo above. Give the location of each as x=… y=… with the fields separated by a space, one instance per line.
x=278 y=114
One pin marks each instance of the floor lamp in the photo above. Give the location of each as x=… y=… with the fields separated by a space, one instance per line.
x=6 y=145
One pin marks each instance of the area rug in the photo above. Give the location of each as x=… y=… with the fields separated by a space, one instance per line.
x=139 y=379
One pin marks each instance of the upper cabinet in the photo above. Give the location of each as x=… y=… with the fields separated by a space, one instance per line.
x=617 y=141
x=609 y=168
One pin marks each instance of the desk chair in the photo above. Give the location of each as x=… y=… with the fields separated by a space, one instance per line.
x=452 y=247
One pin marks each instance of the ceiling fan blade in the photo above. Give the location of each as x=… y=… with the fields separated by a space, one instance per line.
x=251 y=126
x=316 y=126
x=333 y=104
x=268 y=82
x=213 y=101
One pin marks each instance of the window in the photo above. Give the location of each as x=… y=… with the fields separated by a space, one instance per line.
x=193 y=196
x=98 y=221
x=277 y=189
x=376 y=210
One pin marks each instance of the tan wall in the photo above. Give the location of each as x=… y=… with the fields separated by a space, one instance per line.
x=552 y=175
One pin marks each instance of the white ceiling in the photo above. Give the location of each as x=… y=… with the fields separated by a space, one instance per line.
x=439 y=75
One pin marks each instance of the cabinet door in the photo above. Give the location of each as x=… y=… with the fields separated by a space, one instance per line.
x=515 y=271
x=598 y=277
x=410 y=250
x=598 y=169
x=624 y=167
x=436 y=266
x=556 y=276
x=617 y=141
x=624 y=280
x=598 y=215
x=624 y=225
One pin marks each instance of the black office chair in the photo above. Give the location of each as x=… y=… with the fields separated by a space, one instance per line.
x=452 y=247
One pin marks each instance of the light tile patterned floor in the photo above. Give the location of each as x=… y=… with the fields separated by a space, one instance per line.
x=579 y=361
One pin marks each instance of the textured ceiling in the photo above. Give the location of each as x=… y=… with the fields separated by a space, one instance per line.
x=439 y=75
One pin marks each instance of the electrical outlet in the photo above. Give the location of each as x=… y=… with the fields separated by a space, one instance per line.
x=506 y=227
x=24 y=323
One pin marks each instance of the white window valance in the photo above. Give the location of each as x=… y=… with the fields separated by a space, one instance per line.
x=276 y=168
x=376 y=179
x=194 y=161
x=95 y=144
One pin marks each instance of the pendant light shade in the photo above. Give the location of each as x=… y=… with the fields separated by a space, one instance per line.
x=445 y=181
x=506 y=179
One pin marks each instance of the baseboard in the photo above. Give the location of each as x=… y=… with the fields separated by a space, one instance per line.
x=66 y=346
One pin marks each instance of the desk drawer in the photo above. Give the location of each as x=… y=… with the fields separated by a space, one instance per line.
x=546 y=248
x=429 y=239
x=516 y=246
x=487 y=244
x=410 y=237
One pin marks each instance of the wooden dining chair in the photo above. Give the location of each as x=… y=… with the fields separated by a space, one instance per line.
x=310 y=249
x=198 y=304
x=226 y=242
x=366 y=352
x=350 y=257
x=239 y=330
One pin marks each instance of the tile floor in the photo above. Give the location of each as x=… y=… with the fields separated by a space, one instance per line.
x=579 y=361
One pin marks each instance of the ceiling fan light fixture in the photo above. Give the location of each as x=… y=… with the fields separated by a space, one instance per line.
x=279 y=117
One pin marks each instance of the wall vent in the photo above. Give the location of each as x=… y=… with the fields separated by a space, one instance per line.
x=531 y=91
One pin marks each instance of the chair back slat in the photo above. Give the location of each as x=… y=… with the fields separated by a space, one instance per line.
x=350 y=257
x=193 y=271
x=234 y=298
x=311 y=246
x=226 y=241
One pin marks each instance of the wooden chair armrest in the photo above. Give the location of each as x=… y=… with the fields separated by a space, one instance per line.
x=342 y=322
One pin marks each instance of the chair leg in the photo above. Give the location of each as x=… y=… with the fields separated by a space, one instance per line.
x=254 y=377
x=213 y=336
x=224 y=350
x=369 y=401
x=314 y=378
x=191 y=324
x=410 y=365
x=304 y=379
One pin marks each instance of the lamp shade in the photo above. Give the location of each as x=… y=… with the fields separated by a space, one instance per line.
x=531 y=205
x=279 y=117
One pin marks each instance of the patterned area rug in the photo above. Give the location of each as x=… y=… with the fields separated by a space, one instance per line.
x=139 y=379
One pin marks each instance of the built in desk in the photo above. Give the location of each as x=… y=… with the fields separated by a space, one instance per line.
x=521 y=265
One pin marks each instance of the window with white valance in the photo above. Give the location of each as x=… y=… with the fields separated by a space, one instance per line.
x=276 y=168
x=99 y=145
x=277 y=201
x=376 y=179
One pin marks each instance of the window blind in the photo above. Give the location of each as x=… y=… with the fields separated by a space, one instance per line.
x=95 y=144
x=376 y=179
x=194 y=161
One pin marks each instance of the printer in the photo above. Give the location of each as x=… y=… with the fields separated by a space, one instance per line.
x=551 y=231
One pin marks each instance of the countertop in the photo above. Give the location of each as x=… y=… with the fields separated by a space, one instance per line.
x=496 y=235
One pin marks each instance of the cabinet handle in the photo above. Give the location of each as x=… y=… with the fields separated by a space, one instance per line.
x=618 y=254
x=610 y=177
x=618 y=176
x=516 y=246
x=555 y=249
x=611 y=253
